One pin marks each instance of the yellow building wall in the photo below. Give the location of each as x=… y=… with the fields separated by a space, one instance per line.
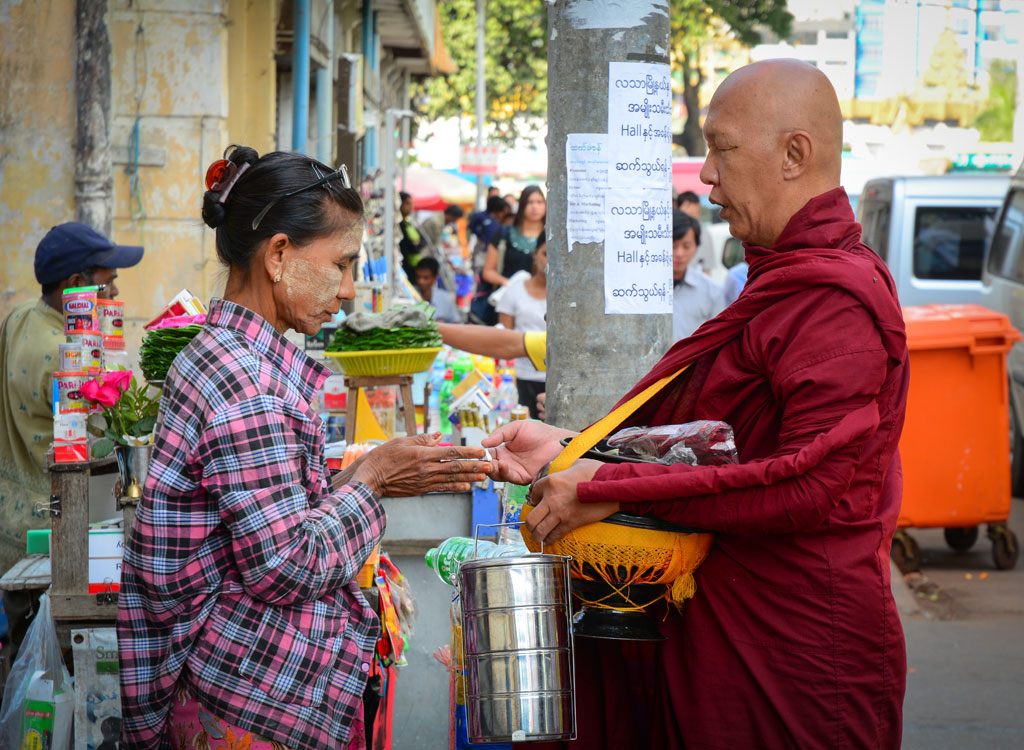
x=37 y=129
x=195 y=75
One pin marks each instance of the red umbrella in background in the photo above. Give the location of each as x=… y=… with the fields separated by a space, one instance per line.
x=686 y=175
x=434 y=189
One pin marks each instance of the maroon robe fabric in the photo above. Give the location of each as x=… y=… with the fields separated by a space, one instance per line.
x=793 y=638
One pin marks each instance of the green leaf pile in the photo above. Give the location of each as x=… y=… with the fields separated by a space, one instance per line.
x=401 y=328
x=160 y=347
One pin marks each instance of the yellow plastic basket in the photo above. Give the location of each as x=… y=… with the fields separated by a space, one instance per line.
x=382 y=361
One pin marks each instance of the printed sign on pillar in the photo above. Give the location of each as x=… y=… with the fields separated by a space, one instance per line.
x=638 y=204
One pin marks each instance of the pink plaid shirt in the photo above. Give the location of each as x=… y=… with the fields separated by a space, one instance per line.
x=238 y=574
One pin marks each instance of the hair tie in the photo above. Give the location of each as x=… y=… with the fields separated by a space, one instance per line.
x=222 y=176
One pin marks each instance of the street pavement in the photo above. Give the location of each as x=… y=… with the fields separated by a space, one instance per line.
x=964 y=626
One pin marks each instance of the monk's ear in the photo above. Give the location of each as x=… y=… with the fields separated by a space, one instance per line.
x=799 y=152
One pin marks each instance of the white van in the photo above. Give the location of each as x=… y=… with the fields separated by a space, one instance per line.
x=1004 y=277
x=932 y=233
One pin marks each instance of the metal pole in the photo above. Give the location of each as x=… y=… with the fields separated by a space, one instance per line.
x=94 y=182
x=300 y=75
x=325 y=94
x=407 y=106
x=390 y=245
x=592 y=358
x=481 y=113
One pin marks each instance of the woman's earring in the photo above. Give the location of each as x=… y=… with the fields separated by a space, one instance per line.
x=277 y=278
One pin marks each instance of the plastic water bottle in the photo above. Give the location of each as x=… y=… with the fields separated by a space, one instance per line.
x=507 y=398
x=445 y=558
x=445 y=401
x=434 y=403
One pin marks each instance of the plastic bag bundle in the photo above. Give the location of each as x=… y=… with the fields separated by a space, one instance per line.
x=38 y=697
x=704 y=442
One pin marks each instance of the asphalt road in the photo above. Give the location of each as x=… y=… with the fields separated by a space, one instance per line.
x=964 y=626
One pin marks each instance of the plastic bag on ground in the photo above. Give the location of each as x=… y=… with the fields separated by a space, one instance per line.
x=703 y=443
x=39 y=662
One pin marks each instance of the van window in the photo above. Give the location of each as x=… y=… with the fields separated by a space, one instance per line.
x=949 y=241
x=875 y=223
x=1006 y=258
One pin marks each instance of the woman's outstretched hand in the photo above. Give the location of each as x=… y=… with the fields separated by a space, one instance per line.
x=414 y=465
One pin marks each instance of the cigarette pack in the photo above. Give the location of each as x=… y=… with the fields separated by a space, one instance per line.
x=70 y=440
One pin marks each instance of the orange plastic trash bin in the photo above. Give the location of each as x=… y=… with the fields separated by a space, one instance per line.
x=955 y=445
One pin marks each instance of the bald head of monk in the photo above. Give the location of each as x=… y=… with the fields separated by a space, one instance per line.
x=775 y=136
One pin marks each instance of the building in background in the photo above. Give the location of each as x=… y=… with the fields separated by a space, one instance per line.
x=160 y=88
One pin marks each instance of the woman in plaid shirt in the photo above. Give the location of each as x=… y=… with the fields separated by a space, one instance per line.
x=239 y=615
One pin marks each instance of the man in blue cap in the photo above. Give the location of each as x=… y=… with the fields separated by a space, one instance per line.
x=70 y=255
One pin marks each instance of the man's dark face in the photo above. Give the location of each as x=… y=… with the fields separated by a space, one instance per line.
x=406 y=207
x=425 y=280
x=98 y=276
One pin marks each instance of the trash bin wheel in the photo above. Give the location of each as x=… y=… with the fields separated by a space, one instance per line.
x=905 y=552
x=961 y=539
x=1005 y=547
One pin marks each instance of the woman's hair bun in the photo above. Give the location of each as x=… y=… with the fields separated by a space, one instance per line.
x=213 y=211
x=241 y=154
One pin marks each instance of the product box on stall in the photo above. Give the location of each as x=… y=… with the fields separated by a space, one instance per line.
x=97 y=688
x=47 y=713
x=81 y=312
x=70 y=438
x=104 y=541
x=183 y=303
x=111 y=316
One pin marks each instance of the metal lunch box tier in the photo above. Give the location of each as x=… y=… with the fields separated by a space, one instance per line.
x=519 y=672
x=532 y=716
x=514 y=628
x=513 y=581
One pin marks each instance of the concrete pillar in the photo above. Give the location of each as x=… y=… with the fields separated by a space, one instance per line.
x=592 y=358
x=94 y=182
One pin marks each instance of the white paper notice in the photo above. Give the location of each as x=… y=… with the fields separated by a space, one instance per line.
x=638 y=251
x=586 y=168
x=638 y=202
x=639 y=125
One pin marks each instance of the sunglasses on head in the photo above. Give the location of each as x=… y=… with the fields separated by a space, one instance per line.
x=341 y=173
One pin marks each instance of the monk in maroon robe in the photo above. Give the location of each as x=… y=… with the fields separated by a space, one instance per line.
x=792 y=639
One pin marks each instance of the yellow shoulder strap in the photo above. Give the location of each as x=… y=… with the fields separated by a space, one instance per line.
x=602 y=427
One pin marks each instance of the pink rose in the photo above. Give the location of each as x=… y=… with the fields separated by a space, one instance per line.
x=107 y=390
x=119 y=379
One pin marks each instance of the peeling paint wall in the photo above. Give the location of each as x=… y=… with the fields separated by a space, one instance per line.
x=190 y=76
x=36 y=134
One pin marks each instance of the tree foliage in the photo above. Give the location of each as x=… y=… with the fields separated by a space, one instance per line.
x=516 y=68
x=693 y=23
x=996 y=122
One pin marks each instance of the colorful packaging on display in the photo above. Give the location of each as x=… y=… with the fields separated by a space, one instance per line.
x=81 y=313
x=70 y=357
x=97 y=688
x=111 y=314
x=67 y=392
x=46 y=722
x=70 y=438
x=91 y=343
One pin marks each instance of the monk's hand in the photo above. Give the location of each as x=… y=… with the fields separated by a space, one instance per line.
x=522 y=447
x=559 y=510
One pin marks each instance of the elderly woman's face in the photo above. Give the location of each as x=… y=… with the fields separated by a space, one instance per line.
x=315 y=279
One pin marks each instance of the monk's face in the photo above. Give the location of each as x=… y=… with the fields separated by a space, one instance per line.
x=774 y=132
x=742 y=166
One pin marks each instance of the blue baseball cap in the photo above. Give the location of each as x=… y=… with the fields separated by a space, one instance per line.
x=72 y=247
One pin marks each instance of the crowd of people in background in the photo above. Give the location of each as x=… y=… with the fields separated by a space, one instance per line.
x=507 y=259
